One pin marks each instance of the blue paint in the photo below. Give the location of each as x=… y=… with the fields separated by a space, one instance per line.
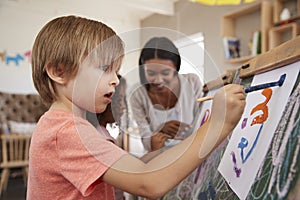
x=244 y=143
x=266 y=85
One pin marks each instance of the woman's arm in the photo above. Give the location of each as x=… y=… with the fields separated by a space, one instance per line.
x=166 y=170
x=194 y=80
x=139 y=110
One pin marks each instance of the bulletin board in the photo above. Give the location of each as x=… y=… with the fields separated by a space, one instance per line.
x=278 y=175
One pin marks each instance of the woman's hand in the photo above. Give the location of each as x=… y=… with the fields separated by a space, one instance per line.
x=174 y=127
x=158 y=140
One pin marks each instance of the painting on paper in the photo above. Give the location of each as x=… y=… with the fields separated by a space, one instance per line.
x=251 y=138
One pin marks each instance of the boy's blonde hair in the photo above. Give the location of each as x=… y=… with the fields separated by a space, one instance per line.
x=67 y=41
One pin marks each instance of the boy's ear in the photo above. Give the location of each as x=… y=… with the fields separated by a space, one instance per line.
x=56 y=73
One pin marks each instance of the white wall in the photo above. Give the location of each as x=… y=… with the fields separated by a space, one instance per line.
x=18 y=28
x=20 y=22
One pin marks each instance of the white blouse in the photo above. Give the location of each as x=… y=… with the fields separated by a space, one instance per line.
x=149 y=119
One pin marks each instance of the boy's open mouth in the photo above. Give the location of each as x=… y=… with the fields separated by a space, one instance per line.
x=109 y=95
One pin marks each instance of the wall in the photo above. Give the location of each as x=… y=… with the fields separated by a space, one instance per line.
x=18 y=28
x=191 y=18
x=20 y=22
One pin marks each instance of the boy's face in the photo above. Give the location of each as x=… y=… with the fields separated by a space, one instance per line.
x=93 y=87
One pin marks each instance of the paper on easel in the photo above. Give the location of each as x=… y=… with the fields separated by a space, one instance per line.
x=252 y=136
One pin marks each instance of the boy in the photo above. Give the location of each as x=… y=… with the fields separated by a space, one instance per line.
x=74 y=66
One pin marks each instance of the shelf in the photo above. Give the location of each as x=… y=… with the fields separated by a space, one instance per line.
x=284 y=54
x=281 y=34
x=292 y=5
x=292 y=19
x=239 y=60
x=231 y=20
x=244 y=11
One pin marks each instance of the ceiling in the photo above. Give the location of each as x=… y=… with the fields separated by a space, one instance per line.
x=115 y=9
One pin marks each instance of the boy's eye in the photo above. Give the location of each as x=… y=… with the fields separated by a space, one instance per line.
x=104 y=68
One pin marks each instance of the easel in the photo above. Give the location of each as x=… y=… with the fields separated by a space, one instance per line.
x=211 y=183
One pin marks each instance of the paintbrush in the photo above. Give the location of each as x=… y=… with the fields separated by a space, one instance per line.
x=253 y=88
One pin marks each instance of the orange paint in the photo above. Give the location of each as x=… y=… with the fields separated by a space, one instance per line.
x=263 y=107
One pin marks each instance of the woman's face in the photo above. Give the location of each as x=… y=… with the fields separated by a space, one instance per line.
x=160 y=74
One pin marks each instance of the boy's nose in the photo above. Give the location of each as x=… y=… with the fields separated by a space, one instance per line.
x=115 y=81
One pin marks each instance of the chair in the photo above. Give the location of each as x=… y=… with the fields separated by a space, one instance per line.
x=17 y=108
x=15 y=154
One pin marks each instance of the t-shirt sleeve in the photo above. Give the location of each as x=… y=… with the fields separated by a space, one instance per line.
x=84 y=155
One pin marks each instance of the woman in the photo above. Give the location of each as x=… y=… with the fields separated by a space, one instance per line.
x=165 y=106
x=113 y=114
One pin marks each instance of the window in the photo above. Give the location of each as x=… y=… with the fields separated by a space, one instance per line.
x=191 y=49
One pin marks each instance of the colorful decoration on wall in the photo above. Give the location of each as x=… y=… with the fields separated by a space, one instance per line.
x=2 y=56
x=222 y=2
x=14 y=59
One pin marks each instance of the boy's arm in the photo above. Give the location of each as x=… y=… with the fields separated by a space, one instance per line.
x=158 y=176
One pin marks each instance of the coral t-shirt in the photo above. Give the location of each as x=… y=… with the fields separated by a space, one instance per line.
x=67 y=159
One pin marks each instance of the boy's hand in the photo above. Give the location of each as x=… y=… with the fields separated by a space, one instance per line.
x=227 y=109
x=228 y=106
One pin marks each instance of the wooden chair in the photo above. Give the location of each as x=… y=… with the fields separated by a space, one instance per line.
x=15 y=154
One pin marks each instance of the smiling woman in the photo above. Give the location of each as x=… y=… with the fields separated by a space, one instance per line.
x=164 y=106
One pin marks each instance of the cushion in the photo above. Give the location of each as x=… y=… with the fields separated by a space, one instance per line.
x=21 y=127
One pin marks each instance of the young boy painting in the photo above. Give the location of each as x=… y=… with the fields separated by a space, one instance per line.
x=75 y=62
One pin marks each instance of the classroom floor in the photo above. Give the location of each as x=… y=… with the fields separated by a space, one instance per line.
x=15 y=189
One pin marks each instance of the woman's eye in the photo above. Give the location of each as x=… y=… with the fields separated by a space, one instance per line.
x=165 y=73
x=150 y=74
